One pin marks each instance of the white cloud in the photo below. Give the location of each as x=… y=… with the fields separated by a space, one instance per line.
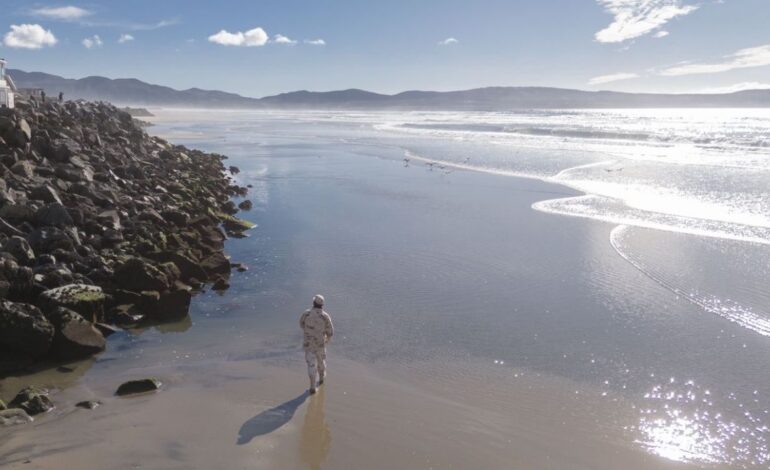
x=281 y=39
x=315 y=42
x=68 y=13
x=29 y=36
x=635 y=18
x=124 y=38
x=660 y=34
x=448 y=42
x=615 y=77
x=251 y=38
x=737 y=87
x=93 y=41
x=745 y=58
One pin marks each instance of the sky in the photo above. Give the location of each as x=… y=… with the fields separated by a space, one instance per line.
x=263 y=47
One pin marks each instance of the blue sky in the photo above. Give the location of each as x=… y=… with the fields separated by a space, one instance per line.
x=261 y=47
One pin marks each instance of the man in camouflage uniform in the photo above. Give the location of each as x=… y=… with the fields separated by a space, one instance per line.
x=317 y=330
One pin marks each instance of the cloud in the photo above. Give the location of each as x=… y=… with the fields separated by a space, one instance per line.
x=448 y=42
x=745 y=58
x=315 y=42
x=93 y=41
x=635 y=18
x=67 y=13
x=281 y=39
x=660 y=34
x=28 y=36
x=737 y=87
x=615 y=77
x=124 y=38
x=252 y=38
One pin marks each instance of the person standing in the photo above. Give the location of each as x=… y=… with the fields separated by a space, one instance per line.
x=317 y=331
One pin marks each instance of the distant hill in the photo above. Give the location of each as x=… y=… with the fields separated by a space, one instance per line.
x=130 y=91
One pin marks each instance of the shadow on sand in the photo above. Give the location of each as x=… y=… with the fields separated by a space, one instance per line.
x=269 y=420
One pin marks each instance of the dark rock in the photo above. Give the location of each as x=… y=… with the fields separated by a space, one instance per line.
x=75 y=337
x=138 y=386
x=55 y=215
x=245 y=205
x=138 y=275
x=216 y=263
x=24 y=329
x=45 y=193
x=172 y=305
x=33 y=401
x=19 y=248
x=124 y=315
x=221 y=284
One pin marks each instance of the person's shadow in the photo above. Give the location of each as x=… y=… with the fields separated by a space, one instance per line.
x=269 y=420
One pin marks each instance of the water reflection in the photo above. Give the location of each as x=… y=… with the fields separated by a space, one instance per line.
x=316 y=438
x=686 y=423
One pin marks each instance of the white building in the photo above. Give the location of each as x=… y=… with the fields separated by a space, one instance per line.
x=6 y=87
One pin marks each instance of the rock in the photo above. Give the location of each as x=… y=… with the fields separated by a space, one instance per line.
x=109 y=219
x=124 y=315
x=88 y=404
x=138 y=386
x=178 y=218
x=25 y=129
x=245 y=205
x=48 y=239
x=2 y=405
x=173 y=305
x=33 y=401
x=24 y=329
x=54 y=214
x=45 y=193
x=85 y=300
x=75 y=337
x=139 y=275
x=24 y=168
x=14 y=417
x=20 y=249
x=217 y=263
x=221 y=284
x=234 y=224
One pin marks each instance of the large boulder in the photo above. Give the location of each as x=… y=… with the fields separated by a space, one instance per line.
x=216 y=263
x=75 y=337
x=84 y=299
x=24 y=168
x=138 y=275
x=33 y=401
x=24 y=329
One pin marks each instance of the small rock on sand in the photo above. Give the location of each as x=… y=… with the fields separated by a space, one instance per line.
x=138 y=386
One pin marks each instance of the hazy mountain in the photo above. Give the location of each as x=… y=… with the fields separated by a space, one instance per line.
x=128 y=91
x=136 y=92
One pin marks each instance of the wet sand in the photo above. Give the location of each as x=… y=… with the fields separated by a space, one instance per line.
x=472 y=332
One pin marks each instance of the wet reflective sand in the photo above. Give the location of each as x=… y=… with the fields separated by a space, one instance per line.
x=472 y=331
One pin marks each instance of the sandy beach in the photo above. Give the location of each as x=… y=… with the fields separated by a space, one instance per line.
x=473 y=331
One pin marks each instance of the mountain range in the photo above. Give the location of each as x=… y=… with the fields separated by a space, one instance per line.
x=130 y=91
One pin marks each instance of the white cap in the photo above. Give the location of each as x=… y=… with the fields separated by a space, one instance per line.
x=318 y=300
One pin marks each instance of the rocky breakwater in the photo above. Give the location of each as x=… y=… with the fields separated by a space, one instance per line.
x=101 y=225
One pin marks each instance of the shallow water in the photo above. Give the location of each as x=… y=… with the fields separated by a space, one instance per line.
x=447 y=281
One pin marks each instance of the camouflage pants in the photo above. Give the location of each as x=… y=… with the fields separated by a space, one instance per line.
x=316 y=362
